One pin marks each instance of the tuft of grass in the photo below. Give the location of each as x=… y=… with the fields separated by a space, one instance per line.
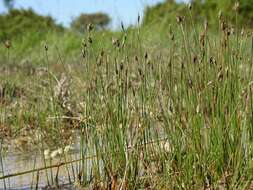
x=158 y=108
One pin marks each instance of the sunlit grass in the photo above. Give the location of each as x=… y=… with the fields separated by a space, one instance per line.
x=159 y=108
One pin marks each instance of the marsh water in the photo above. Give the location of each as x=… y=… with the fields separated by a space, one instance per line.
x=16 y=163
x=32 y=170
x=34 y=163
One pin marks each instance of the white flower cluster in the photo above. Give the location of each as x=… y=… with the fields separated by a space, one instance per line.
x=52 y=154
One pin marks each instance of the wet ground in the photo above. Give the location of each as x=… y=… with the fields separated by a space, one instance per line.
x=29 y=169
x=16 y=163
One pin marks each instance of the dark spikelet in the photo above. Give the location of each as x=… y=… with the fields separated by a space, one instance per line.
x=172 y=37
x=212 y=61
x=90 y=40
x=202 y=39
x=122 y=27
x=140 y=71
x=121 y=66
x=83 y=52
x=223 y=25
x=190 y=83
x=146 y=56
x=90 y=27
x=84 y=44
x=102 y=53
x=46 y=47
x=136 y=57
x=195 y=59
x=179 y=19
x=115 y=42
x=190 y=6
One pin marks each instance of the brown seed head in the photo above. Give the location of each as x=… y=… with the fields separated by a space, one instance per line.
x=206 y=25
x=190 y=83
x=172 y=37
x=46 y=47
x=84 y=44
x=121 y=66
x=122 y=27
x=236 y=6
x=90 y=27
x=140 y=71
x=195 y=59
x=179 y=19
x=223 y=26
x=228 y=32
x=115 y=42
x=146 y=55
x=190 y=6
x=139 y=19
x=90 y=40
x=212 y=61
x=136 y=58
x=83 y=52
x=7 y=44
x=102 y=53
x=202 y=39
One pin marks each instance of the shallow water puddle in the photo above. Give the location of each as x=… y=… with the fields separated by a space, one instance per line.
x=31 y=163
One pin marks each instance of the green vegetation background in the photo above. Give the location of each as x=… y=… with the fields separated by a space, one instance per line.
x=187 y=83
x=27 y=30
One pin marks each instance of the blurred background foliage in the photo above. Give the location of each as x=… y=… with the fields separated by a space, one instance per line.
x=19 y=23
x=99 y=21
x=201 y=10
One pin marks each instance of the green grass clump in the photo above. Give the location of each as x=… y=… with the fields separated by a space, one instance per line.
x=158 y=109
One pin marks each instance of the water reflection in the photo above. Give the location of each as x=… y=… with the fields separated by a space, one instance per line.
x=16 y=163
